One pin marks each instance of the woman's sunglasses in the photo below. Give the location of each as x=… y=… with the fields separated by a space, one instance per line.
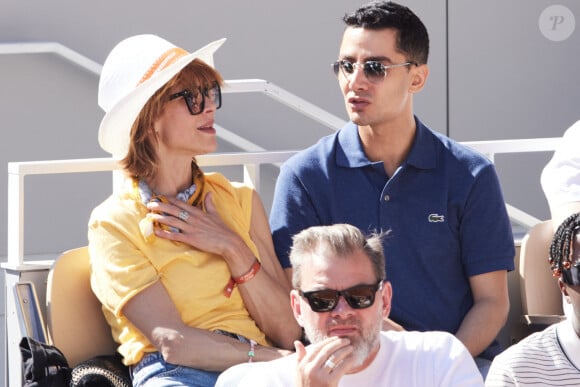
x=195 y=99
x=358 y=297
x=373 y=70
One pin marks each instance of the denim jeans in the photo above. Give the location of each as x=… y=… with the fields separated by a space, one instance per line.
x=153 y=371
x=483 y=366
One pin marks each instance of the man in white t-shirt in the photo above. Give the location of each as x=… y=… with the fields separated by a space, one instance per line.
x=550 y=357
x=561 y=177
x=340 y=298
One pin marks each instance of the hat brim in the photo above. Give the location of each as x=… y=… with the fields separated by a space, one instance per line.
x=115 y=126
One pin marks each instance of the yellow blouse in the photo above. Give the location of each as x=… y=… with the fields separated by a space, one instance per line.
x=124 y=262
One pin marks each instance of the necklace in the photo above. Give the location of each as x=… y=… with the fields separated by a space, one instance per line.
x=192 y=195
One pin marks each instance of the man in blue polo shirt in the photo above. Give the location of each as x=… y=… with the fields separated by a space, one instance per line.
x=450 y=245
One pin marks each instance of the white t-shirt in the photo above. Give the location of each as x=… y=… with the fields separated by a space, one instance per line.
x=405 y=359
x=561 y=176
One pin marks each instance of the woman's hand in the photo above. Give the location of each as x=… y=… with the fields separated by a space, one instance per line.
x=203 y=230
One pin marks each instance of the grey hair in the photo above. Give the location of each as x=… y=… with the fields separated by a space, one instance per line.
x=341 y=240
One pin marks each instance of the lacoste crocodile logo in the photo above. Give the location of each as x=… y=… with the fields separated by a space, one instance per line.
x=436 y=218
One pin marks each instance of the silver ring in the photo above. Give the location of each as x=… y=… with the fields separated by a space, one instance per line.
x=183 y=215
x=330 y=364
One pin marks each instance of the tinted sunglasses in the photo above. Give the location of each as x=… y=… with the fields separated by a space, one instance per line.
x=571 y=276
x=195 y=99
x=357 y=297
x=373 y=70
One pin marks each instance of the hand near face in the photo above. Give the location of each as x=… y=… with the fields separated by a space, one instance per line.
x=324 y=363
x=204 y=230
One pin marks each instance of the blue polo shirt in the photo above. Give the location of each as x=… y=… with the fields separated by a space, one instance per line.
x=443 y=206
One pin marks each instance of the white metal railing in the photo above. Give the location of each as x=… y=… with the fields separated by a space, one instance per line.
x=493 y=147
x=231 y=86
x=249 y=161
x=17 y=171
x=52 y=48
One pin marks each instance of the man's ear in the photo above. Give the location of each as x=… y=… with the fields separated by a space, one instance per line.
x=564 y=290
x=387 y=295
x=296 y=306
x=420 y=74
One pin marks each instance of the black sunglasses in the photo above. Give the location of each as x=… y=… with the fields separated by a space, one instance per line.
x=195 y=99
x=358 y=297
x=373 y=70
x=571 y=276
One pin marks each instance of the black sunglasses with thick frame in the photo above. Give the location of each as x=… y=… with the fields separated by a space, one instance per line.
x=357 y=297
x=195 y=99
x=374 y=71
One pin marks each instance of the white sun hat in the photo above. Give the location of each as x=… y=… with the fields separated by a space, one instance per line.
x=134 y=70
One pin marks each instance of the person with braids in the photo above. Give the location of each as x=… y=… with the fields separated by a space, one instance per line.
x=560 y=181
x=550 y=357
x=451 y=244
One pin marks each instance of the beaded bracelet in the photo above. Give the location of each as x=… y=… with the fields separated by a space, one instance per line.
x=251 y=353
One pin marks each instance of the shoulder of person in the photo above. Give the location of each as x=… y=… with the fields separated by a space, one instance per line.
x=258 y=374
x=425 y=341
x=234 y=376
x=573 y=131
x=216 y=182
x=536 y=342
x=117 y=207
x=313 y=154
x=463 y=153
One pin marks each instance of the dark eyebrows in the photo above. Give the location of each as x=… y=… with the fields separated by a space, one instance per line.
x=381 y=59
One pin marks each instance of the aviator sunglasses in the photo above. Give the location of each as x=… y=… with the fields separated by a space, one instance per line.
x=357 y=297
x=195 y=99
x=374 y=71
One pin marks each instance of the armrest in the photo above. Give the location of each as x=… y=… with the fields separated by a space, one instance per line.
x=538 y=322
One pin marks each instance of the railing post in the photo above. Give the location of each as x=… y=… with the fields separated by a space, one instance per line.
x=252 y=176
x=15 y=217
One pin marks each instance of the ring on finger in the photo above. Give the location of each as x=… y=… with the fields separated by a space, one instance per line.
x=330 y=364
x=183 y=215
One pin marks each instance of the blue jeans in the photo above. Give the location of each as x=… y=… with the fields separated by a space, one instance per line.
x=153 y=371
x=483 y=366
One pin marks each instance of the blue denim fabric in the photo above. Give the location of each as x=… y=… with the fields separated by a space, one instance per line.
x=483 y=366
x=153 y=371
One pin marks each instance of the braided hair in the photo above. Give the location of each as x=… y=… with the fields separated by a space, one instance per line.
x=561 y=251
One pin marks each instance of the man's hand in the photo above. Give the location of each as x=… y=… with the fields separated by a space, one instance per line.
x=324 y=363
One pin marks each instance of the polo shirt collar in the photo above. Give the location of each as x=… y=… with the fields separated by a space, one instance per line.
x=423 y=153
x=350 y=153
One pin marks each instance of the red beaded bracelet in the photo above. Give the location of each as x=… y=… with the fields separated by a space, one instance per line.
x=254 y=269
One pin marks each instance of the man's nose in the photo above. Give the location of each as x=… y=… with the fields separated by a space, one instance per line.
x=342 y=307
x=358 y=78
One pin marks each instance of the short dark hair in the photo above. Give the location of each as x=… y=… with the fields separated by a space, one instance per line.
x=412 y=40
x=340 y=240
x=562 y=248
